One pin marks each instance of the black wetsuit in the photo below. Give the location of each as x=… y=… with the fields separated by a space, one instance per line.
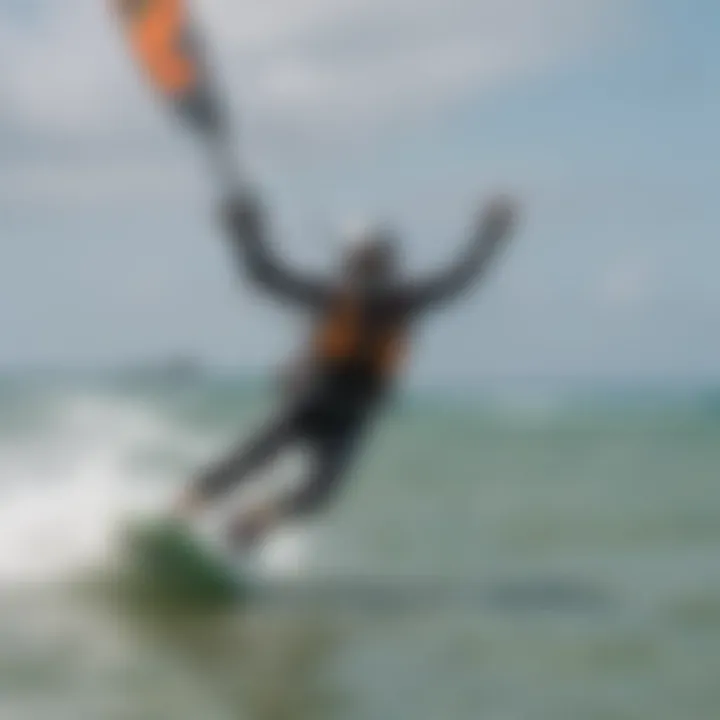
x=333 y=408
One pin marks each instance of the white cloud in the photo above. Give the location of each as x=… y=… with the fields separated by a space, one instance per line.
x=308 y=67
x=321 y=61
x=65 y=66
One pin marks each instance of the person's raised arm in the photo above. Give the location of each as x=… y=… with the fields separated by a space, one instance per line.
x=491 y=232
x=245 y=220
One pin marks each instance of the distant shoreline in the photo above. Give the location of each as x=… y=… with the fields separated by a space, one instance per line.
x=506 y=395
x=191 y=371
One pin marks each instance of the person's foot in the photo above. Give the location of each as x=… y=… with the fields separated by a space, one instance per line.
x=187 y=506
x=243 y=535
x=249 y=528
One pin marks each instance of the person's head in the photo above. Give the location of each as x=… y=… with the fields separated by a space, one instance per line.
x=371 y=256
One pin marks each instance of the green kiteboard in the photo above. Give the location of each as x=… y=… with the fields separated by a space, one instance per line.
x=171 y=564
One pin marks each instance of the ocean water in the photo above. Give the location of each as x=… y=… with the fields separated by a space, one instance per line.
x=516 y=555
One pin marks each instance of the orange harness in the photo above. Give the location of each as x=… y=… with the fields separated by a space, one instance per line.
x=346 y=336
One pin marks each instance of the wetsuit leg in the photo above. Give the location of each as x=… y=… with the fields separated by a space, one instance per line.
x=333 y=452
x=250 y=456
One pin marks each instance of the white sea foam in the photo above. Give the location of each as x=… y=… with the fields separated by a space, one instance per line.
x=66 y=491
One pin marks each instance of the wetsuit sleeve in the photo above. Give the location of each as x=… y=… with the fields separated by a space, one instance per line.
x=244 y=219
x=491 y=232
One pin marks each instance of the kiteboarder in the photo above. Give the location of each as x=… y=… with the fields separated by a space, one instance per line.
x=364 y=318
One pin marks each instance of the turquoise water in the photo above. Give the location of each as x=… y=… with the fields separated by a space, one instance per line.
x=517 y=555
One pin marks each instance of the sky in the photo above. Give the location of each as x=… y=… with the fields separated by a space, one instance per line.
x=600 y=116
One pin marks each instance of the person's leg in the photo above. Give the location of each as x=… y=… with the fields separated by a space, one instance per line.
x=332 y=441
x=238 y=466
x=332 y=455
x=331 y=462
